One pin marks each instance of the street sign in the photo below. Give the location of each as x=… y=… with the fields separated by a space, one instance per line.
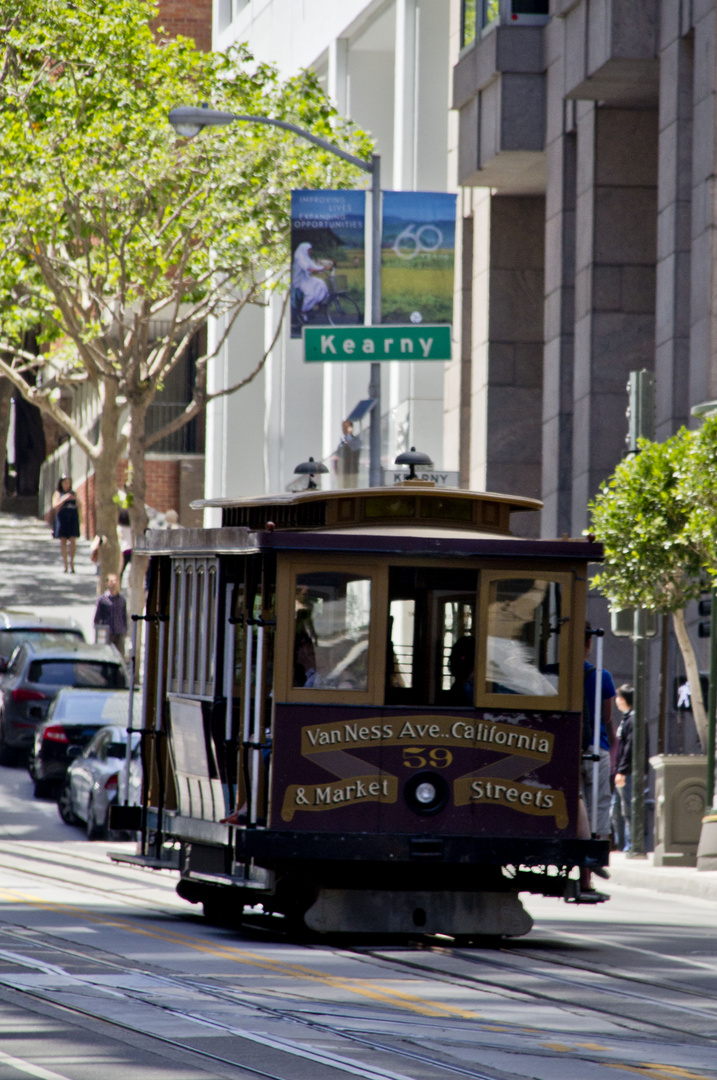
x=324 y=344
x=440 y=477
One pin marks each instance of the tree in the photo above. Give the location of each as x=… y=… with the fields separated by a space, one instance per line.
x=658 y=547
x=118 y=240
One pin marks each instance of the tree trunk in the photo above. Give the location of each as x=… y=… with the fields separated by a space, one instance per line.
x=105 y=464
x=6 y=392
x=693 y=675
x=137 y=491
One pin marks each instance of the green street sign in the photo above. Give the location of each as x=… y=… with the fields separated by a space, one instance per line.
x=323 y=344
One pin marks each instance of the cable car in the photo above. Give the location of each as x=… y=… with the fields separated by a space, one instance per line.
x=362 y=710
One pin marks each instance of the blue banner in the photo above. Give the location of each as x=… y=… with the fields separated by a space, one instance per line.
x=327 y=259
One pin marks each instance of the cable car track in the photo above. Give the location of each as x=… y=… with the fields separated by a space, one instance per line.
x=490 y=984
x=487 y=984
x=327 y=1058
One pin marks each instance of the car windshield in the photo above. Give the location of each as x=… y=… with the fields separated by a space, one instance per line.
x=101 y=675
x=10 y=638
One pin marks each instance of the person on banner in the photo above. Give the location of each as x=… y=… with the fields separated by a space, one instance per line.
x=314 y=290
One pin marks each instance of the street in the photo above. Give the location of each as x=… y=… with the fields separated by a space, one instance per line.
x=103 y=966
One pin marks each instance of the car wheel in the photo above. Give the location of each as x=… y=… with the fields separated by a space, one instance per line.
x=95 y=831
x=31 y=765
x=64 y=805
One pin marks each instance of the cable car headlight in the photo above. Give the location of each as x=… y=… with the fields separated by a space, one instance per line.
x=427 y=793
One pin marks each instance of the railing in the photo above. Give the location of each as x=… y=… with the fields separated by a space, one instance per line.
x=183 y=441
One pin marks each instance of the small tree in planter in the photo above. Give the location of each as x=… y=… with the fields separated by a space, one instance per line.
x=658 y=546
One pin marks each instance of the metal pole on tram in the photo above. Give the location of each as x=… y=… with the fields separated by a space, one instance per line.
x=189 y=120
x=597 y=724
x=375 y=476
x=130 y=711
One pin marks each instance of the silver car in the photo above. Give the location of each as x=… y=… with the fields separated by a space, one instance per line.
x=95 y=778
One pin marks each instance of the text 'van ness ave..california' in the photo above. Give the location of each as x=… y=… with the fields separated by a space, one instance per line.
x=442 y=731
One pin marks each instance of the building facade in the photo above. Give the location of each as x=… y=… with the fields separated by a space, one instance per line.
x=586 y=151
x=385 y=64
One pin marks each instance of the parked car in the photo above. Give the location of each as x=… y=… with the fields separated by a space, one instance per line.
x=19 y=626
x=72 y=719
x=36 y=675
x=94 y=779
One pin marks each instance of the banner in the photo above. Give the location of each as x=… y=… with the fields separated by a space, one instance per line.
x=417 y=257
x=327 y=259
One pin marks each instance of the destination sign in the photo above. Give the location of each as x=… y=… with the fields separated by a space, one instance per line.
x=324 y=344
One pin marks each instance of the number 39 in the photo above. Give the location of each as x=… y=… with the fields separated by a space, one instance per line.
x=438 y=757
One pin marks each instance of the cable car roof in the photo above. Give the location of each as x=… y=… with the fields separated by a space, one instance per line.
x=412 y=504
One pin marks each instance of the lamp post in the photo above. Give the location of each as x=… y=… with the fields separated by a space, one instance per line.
x=709 y=408
x=188 y=121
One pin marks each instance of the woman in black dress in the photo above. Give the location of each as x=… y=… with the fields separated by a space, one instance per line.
x=67 y=520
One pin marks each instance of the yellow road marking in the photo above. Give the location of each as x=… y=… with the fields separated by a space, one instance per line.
x=361 y=987
x=560 y=1047
x=656 y=1071
x=592 y=1046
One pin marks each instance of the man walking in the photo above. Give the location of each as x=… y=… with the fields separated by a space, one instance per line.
x=111 y=612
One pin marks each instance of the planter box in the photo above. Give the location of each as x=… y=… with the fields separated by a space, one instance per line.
x=680 y=800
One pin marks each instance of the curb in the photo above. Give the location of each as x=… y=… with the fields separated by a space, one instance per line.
x=678 y=880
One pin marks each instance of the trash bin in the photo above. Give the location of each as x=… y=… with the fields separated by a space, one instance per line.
x=680 y=800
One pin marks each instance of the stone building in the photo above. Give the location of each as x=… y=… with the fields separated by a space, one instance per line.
x=586 y=149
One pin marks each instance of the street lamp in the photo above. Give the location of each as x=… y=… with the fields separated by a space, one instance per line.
x=189 y=120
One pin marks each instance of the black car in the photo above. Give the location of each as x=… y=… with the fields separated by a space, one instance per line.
x=19 y=626
x=72 y=719
x=35 y=676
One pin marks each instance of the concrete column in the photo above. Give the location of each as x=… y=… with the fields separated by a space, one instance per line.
x=404 y=108
x=337 y=87
x=561 y=150
x=616 y=209
x=674 y=207
x=515 y=350
x=703 y=331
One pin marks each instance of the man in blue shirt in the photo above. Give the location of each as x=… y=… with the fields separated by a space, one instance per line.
x=607 y=737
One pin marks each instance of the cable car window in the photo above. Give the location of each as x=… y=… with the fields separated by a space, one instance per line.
x=176 y=609
x=332 y=612
x=198 y=637
x=211 y=636
x=192 y=627
x=399 y=662
x=431 y=644
x=523 y=637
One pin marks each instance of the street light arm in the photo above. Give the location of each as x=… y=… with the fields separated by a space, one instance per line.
x=189 y=116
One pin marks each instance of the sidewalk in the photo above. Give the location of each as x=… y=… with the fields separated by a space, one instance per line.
x=641 y=874
x=32 y=578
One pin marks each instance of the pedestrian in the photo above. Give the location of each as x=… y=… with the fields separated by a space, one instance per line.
x=111 y=612
x=67 y=520
x=624 y=698
x=348 y=454
x=124 y=535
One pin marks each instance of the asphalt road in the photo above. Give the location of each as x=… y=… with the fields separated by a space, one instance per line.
x=32 y=577
x=103 y=967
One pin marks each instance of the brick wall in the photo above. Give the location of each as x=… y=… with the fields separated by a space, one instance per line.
x=190 y=18
x=171 y=483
